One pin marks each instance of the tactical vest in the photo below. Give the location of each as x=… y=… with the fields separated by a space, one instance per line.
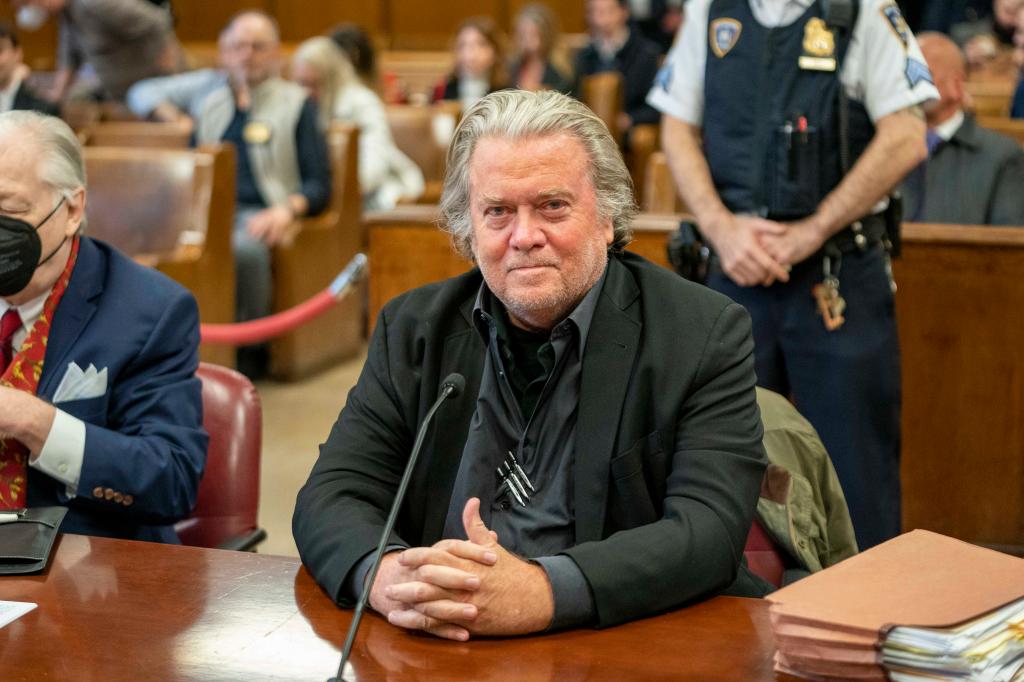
x=771 y=103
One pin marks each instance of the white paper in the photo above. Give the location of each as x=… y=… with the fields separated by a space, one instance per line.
x=13 y=610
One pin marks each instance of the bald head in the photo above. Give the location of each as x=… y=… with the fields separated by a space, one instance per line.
x=250 y=47
x=949 y=71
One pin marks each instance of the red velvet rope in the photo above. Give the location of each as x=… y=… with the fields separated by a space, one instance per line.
x=266 y=328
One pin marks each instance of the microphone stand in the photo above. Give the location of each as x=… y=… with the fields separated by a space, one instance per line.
x=450 y=387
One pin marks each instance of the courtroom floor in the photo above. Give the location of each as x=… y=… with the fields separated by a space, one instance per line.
x=296 y=419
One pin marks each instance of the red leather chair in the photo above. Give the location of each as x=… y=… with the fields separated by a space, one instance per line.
x=225 y=515
x=764 y=558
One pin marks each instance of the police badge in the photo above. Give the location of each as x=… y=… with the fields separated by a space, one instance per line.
x=819 y=47
x=723 y=34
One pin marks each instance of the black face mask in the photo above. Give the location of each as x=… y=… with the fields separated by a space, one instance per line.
x=20 y=247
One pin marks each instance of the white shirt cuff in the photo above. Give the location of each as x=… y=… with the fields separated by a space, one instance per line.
x=63 y=452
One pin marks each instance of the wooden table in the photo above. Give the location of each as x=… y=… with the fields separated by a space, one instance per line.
x=119 y=610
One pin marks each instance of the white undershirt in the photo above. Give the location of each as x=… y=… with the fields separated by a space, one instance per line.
x=64 y=450
x=947 y=129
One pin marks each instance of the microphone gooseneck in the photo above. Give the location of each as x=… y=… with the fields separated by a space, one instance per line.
x=453 y=385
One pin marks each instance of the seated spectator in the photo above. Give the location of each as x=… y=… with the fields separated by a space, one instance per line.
x=972 y=175
x=14 y=91
x=537 y=64
x=984 y=39
x=615 y=47
x=479 y=63
x=283 y=169
x=100 y=409
x=386 y=175
x=123 y=41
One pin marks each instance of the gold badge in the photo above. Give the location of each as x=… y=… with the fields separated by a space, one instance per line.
x=256 y=132
x=819 y=47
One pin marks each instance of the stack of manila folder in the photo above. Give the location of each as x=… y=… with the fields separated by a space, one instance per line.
x=919 y=607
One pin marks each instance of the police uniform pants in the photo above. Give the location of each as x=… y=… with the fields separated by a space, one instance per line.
x=845 y=382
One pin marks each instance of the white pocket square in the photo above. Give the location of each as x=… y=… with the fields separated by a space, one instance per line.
x=79 y=385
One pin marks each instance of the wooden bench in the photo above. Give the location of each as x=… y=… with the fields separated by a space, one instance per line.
x=959 y=302
x=321 y=248
x=1011 y=127
x=136 y=134
x=962 y=345
x=422 y=133
x=990 y=97
x=173 y=210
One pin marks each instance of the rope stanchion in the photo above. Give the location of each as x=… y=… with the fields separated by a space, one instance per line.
x=266 y=328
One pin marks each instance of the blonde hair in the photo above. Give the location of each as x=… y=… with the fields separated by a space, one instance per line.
x=333 y=68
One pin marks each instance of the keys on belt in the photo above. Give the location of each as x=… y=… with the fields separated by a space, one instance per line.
x=831 y=304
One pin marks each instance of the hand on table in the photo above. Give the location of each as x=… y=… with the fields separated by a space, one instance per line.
x=457 y=588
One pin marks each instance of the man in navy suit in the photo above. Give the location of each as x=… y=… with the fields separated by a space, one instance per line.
x=100 y=409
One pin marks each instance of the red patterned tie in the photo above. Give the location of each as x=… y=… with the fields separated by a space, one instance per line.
x=10 y=323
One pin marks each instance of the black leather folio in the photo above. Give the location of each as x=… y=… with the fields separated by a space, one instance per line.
x=25 y=544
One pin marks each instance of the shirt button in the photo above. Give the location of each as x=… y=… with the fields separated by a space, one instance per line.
x=506 y=505
x=63 y=468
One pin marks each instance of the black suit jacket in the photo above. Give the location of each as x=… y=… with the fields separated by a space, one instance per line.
x=24 y=99
x=668 y=455
x=977 y=178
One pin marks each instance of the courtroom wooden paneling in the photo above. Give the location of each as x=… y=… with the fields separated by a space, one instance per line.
x=959 y=310
x=571 y=15
x=432 y=25
x=120 y=610
x=1011 y=127
x=301 y=20
x=38 y=48
x=203 y=19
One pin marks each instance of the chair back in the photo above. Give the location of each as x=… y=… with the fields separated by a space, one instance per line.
x=228 y=503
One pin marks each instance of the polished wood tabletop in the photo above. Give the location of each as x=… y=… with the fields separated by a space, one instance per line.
x=120 y=610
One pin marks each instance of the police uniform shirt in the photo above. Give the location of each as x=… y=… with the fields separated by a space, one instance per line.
x=883 y=69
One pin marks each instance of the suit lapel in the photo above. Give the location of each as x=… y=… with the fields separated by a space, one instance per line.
x=463 y=353
x=612 y=344
x=75 y=310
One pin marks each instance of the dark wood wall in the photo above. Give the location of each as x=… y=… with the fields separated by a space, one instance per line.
x=398 y=24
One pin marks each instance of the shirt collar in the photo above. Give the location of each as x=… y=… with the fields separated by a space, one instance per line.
x=29 y=312
x=948 y=128
x=487 y=306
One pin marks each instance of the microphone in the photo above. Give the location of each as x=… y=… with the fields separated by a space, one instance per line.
x=452 y=386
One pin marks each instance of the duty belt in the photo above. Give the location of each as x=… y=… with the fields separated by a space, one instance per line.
x=860 y=235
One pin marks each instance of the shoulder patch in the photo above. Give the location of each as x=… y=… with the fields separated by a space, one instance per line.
x=917 y=72
x=896 y=22
x=664 y=78
x=723 y=34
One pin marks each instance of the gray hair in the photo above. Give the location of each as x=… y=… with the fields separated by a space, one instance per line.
x=60 y=162
x=518 y=114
